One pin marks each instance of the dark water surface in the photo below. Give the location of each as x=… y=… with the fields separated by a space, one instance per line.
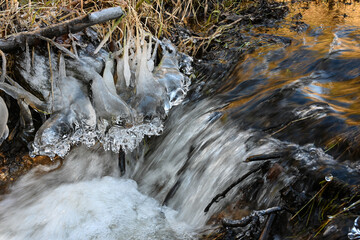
x=305 y=88
x=296 y=91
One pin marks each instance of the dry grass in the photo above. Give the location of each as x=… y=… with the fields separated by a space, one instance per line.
x=18 y=16
x=345 y=144
x=155 y=16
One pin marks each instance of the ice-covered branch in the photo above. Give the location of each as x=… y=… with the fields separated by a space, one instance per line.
x=15 y=41
x=93 y=99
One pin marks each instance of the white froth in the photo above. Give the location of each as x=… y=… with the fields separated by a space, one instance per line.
x=105 y=208
x=84 y=199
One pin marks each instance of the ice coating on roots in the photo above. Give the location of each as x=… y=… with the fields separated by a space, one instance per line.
x=112 y=98
x=168 y=74
x=114 y=138
x=4 y=131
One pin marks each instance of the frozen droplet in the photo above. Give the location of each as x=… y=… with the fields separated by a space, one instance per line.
x=329 y=177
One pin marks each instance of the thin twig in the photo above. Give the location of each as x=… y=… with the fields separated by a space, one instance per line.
x=288 y=124
x=262 y=157
x=60 y=47
x=107 y=36
x=16 y=41
x=327 y=183
x=266 y=231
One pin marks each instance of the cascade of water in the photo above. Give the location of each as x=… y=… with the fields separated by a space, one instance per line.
x=202 y=168
x=84 y=199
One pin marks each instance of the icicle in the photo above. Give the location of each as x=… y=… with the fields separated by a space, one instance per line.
x=148 y=57
x=127 y=72
x=121 y=82
x=27 y=58
x=151 y=59
x=62 y=68
x=108 y=75
x=4 y=130
x=155 y=50
x=116 y=115
x=50 y=134
x=169 y=75
x=108 y=105
x=26 y=120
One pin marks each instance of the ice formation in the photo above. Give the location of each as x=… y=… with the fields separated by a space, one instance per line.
x=355 y=231
x=4 y=131
x=112 y=98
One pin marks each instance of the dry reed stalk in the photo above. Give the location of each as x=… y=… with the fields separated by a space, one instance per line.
x=157 y=17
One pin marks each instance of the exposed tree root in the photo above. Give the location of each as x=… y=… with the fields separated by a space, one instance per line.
x=251 y=227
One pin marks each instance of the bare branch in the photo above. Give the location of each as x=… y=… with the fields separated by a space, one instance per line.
x=16 y=41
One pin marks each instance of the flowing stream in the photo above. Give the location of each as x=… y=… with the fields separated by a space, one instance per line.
x=297 y=91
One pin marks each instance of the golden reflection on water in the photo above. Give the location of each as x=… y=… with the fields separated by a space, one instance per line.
x=343 y=97
x=333 y=35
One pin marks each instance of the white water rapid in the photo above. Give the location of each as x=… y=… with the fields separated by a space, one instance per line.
x=85 y=199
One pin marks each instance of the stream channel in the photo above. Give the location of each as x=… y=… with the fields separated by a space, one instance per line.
x=296 y=97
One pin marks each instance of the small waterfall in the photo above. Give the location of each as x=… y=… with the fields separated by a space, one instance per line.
x=187 y=175
x=84 y=199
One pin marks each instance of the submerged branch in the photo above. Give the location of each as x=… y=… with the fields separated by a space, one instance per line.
x=222 y=195
x=71 y=26
x=262 y=157
x=266 y=231
x=254 y=216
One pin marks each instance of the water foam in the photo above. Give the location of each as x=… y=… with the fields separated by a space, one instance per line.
x=84 y=199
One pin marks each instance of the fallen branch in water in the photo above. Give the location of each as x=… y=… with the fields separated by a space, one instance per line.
x=16 y=41
x=251 y=227
x=222 y=195
x=263 y=157
x=253 y=217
